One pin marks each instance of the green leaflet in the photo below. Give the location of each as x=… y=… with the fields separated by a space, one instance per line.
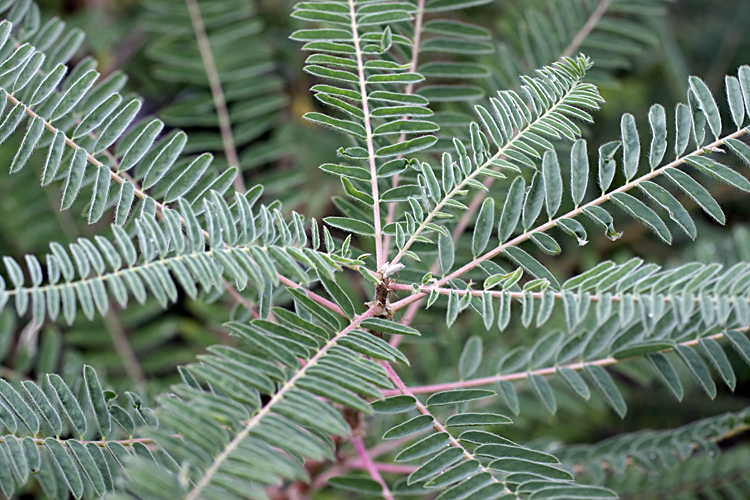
x=719 y=360
x=29 y=142
x=351 y=225
x=553 y=184
x=74 y=178
x=488 y=313
x=157 y=162
x=394 y=404
x=606 y=388
x=483 y=227
x=698 y=369
x=435 y=465
x=740 y=343
x=531 y=265
x=696 y=192
x=345 y=126
x=386 y=326
x=607 y=164
x=457 y=396
x=510 y=465
x=455 y=474
x=543 y=391
x=657 y=118
x=100 y=194
x=643 y=213
x=446 y=253
x=410 y=427
x=603 y=218
x=734 y=97
x=97 y=116
x=89 y=467
x=575 y=382
x=667 y=373
x=579 y=171
x=642 y=348
x=347 y=171
x=471 y=356
x=401 y=193
x=17 y=403
x=140 y=146
x=43 y=405
x=425 y=447
x=448 y=5
x=511 y=213
x=707 y=104
x=403 y=78
x=74 y=94
x=574 y=228
x=54 y=158
x=97 y=400
x=533 y=202
x=48 y=85
x=546 y=243
x=117 y=125
x=721 y=172
x=631 y=146
x=497 y=450
x=740 y=149
x=683 y=124
x=474 y=419
x=357 y=484
x=67 y=466
x=406 y=147
x=673 y=207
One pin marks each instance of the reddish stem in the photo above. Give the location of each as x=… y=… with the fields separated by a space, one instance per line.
x=370 y=466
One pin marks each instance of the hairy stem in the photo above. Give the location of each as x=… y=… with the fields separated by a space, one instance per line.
x=125 y=350
x=478 y=382
x=587 y=28
x=214 y=81
x=253 y=422
x=573 y=213
x=370 y=467
x=418 y=20
x=535 y=295
x=121 y=177
x=403 y=389
x=116 y=176
x=379 y=254
x=165 y=263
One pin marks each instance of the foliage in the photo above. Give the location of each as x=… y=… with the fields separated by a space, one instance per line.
x=305 y=345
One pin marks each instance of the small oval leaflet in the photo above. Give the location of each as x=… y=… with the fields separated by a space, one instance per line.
x=394 y=404
x=458 y=396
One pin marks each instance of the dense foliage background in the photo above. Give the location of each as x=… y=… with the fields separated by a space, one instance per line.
x=142 y=346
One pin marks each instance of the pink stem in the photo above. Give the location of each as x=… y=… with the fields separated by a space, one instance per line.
x=403 y=389
x=427 y=389
x=370 y=466
x=314 y=296
x=242 y=300
x=384 y=467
